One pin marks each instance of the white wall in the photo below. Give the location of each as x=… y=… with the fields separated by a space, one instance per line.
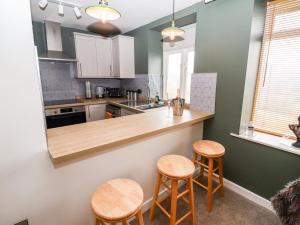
x=30 y=185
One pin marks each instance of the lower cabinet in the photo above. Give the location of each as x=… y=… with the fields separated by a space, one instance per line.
x=95 y=112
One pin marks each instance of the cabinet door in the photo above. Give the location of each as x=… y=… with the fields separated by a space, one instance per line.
x=86 y=55
x=95 y=112
x=126 y=52
x=104 y=57
x=115 y=57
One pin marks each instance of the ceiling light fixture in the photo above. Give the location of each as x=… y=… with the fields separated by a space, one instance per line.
x=77 y=12
x=172 y=32
x=103 y=12
x=61 y=4
x=208 y=1
x=60 y=9
x=43 y=4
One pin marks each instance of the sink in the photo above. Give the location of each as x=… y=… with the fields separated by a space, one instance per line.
x=149 y=106
x=142 y=105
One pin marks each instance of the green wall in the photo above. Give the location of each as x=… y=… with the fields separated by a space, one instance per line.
x=222 y=46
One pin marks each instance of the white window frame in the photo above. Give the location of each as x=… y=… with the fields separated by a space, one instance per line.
x=183 y=69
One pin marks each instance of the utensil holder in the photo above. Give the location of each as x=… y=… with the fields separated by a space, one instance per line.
x=178 y=106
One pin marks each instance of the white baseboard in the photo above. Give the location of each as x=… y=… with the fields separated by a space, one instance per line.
x=249 y=195
x=231 y=186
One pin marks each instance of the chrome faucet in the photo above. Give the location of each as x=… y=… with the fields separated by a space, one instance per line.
x=149 y=93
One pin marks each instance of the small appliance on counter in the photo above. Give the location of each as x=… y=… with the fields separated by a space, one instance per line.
x=88 y=90
x=133 y=95
x=114 y=92
x=100 y=92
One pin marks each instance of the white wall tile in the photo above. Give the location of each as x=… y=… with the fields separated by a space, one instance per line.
x=203 y=92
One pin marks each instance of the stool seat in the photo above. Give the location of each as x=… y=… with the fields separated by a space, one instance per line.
x=117 y=199
x=209 y=148
x=176 y=166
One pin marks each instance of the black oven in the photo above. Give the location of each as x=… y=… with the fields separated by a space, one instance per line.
x=65 y=116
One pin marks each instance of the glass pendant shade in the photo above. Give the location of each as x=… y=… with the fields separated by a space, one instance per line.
x=172 y=32
x=103 y=12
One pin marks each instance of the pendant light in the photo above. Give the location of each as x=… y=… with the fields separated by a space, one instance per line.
x=103 y=12
x=172 y=32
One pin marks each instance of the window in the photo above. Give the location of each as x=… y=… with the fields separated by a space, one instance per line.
x=179 y=67
x=277 y=97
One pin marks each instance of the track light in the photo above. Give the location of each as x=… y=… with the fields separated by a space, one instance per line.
x=61 y=4
x=208 y=1
x=60 y=9
x=43 y=4
x=77 y=12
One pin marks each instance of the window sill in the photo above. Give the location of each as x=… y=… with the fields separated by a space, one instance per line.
x=270 y=141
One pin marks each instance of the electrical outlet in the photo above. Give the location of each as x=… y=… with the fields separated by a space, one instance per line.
x=24 y=222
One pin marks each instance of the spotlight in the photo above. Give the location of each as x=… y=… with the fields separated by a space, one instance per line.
x=60 y=9
x=77 y=12
x=43 y=4
x=208 y=1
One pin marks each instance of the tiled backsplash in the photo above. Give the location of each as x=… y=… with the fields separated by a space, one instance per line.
x=59 y=82
x=142 y=81
x=203 y=92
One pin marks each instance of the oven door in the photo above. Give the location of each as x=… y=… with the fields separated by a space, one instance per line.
x=65 y=119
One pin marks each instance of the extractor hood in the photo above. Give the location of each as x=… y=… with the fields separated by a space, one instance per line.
x=54 y=44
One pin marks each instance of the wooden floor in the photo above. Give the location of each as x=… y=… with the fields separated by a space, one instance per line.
x=233 y=209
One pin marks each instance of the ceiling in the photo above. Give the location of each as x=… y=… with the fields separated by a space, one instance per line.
x=135 y=13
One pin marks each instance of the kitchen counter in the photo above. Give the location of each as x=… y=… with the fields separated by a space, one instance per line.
x=79 y=140
x=83 y=102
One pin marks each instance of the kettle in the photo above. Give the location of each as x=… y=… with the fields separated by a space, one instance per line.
x=100 y=92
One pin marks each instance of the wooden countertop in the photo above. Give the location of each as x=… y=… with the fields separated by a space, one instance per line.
x=69 y=142
x=83 y=102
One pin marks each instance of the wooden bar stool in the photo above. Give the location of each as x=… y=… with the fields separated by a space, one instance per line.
x=173 y=169
x=211 y=152
x=116 y=201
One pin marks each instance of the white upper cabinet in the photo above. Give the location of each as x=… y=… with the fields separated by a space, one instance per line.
x=86 y=56
x=100 y=57
x=104 y=57
x=123 y=57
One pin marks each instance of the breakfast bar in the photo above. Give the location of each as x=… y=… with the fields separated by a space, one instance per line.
x=72 y=142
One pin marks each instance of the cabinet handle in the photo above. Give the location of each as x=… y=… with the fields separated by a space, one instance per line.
x=110 y=67
x=80 y=69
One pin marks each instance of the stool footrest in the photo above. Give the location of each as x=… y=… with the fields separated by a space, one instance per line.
x=183 y=193
x=183 y=217
x=184 y=199
x=217 y=188
x=163 y=209
x=214 y=170
x=201 y=164
x=201 y=185
x=166 y=185
x=205 y=187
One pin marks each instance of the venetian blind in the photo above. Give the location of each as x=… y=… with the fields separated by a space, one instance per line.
x=277 y=97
